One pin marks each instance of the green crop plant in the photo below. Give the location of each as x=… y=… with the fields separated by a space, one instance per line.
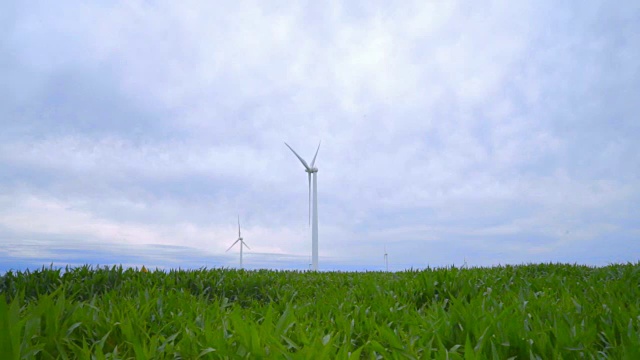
x=543 y=311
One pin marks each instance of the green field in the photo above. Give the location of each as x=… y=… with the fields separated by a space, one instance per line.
x=546 y=311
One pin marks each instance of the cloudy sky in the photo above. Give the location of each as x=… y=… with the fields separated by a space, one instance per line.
x=134 y=132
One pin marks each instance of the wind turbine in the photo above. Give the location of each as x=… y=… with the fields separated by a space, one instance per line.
x=313 y=215
x=242 y=243
x=386 y=259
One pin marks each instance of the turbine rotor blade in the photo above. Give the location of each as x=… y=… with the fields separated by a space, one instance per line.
x=309 y=199
x=232 y=245
x=245 y=244
x=306 y=166
x=238 y=225
x=314 y=156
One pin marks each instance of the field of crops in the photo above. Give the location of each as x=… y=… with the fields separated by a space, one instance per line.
x=546 y=311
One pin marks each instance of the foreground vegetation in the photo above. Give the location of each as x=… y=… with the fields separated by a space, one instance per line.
x=547 y=311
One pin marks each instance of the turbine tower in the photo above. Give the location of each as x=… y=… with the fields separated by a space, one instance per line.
x=313 y=204
x=386 y=259
x=242 y=243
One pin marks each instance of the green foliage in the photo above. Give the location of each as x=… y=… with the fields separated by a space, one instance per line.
x=546 y=311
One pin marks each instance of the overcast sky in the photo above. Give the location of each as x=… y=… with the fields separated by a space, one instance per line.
x=135 y=132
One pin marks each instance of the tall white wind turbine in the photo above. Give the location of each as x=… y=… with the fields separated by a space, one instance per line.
x=386 y=259
x=313 y=210
x=242 y=243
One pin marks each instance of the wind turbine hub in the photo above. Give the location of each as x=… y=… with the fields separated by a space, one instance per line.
x=312 y=170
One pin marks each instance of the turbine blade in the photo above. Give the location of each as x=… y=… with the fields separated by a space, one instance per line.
x=238 y=225
x=232 y=245
x=245 y=244
x=314 y=156
x=309 y=199
x=298 y=156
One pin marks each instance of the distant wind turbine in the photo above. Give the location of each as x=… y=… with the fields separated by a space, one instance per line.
x=313 y=214
x=386 y=259
x=242 y=243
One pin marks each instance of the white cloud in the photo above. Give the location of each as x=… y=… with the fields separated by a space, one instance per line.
x=440 y=122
